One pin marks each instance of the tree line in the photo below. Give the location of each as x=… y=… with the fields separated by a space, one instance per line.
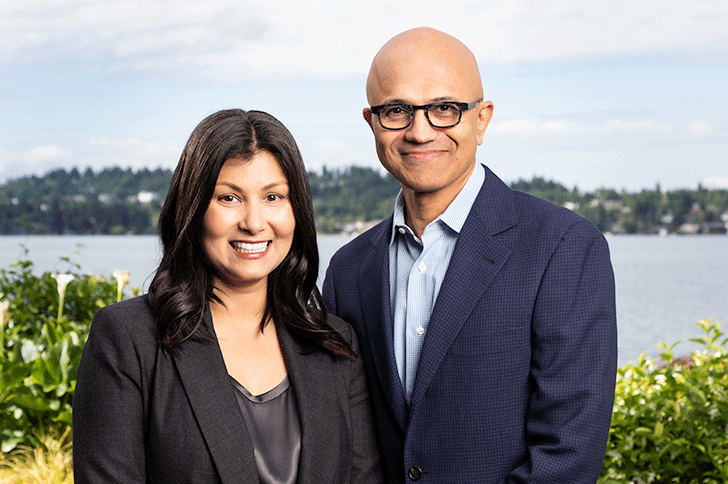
x=122 y=201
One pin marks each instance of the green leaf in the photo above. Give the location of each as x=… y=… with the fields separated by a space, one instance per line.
x=31 y=402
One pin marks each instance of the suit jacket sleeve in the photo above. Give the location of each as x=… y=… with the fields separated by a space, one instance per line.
x=573 y=364
x=329 y=291
x=366 y=467
x=108 y=420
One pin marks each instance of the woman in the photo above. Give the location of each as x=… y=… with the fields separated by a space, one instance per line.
x=229 y=370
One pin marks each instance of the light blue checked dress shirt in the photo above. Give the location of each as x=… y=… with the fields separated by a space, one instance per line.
x=416 y=271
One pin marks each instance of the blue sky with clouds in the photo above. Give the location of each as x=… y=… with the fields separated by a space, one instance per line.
x=619 y=94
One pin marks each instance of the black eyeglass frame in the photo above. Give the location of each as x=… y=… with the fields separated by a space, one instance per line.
x=426 y=108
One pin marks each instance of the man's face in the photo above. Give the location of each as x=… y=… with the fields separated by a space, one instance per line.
x=422 y=158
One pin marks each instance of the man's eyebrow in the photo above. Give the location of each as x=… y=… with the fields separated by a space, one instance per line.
x=394 y=101
x=443 y=99
x=434 y=100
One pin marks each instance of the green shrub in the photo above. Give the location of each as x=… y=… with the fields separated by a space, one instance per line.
x=44 y=326
x=670 y=420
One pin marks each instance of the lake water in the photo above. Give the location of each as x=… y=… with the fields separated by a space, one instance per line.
x=664 y=284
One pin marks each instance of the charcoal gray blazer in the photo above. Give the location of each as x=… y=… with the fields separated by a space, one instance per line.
x=140 y=415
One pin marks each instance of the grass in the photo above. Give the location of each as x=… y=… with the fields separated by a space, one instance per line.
x=51 y=463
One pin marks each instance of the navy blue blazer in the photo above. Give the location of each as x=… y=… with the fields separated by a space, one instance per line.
x=515 y=382
x=142 y=416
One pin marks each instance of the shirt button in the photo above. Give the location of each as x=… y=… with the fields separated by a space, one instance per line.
x=414 y=473
x=401 y=230
x=420 y=330
x=422 y=267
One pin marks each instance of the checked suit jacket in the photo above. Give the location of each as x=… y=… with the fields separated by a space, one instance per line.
x=516 y=375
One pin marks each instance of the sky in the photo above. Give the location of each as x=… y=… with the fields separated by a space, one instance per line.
x=616 y=94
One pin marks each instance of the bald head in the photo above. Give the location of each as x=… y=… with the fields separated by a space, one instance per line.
x=423 y=53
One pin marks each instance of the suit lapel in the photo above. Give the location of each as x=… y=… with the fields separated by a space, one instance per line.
x=312 y=377
x=475 y=262
x=212 y=398
x=377 y=310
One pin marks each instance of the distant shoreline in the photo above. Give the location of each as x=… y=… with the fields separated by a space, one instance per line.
x=346 y=201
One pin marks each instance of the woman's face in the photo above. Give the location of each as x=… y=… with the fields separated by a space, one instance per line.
x=249 y=224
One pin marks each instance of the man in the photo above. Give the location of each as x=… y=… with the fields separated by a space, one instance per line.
x=486 y=316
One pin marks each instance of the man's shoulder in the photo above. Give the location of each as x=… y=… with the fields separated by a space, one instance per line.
x=539 y=216
x=530 y=204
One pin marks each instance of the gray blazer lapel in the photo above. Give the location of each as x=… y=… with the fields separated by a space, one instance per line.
x=313 y=381
x=205 y=379
x=377 y=310
x=474 y=264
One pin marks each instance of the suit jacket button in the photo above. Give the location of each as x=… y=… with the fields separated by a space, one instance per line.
x=414 y=473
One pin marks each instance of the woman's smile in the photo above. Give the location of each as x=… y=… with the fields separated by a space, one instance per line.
x=251 y=250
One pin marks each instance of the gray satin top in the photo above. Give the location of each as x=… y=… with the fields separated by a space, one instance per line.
x=273 y=426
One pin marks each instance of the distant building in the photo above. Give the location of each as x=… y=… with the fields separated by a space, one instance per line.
x=689 y=228
x=358 y=227
x=146 y=197
x=715 y=228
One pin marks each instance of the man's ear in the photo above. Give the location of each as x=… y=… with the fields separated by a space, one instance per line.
x=367 y=113
x=485 y=113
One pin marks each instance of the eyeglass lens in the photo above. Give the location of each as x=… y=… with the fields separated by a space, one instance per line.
x=440 y=115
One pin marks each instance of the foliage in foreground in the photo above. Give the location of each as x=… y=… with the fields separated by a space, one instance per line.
x=670 y=421
x=48 y=463
x=44 y=323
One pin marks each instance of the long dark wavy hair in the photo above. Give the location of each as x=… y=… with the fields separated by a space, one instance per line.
x=183 y=283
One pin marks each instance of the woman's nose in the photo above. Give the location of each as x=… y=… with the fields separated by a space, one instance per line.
x=251 y=220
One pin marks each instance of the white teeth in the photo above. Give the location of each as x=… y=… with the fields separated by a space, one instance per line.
x=249 y=247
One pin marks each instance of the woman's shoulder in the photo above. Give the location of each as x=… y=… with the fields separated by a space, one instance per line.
x=346 y=330
x=340 y=326
x=139 y=306
x=123 y=338
x=134 y=316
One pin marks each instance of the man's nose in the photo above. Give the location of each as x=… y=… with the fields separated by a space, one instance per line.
x=420 y=130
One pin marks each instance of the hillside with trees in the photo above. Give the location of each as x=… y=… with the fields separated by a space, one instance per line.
x=122 y=201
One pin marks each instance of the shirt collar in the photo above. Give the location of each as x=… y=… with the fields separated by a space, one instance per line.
x=455 y=214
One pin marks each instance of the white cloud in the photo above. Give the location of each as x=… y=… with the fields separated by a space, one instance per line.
x=98 y=153
x=643 y=126
x=700 y=129
x=137 y=153
x=530 y=128
x=34 y=161
x=47 y=154
x=226 y=38
x=39 y=157
x=715 y=183
x=334 y=154
x=331 y=149
x=536 y=30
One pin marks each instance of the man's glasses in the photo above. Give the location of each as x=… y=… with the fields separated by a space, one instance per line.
x=444 y=114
